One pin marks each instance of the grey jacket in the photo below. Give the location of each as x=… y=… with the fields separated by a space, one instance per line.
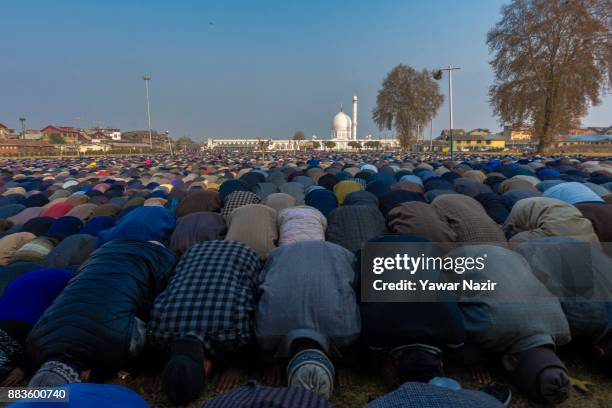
x=306 y=290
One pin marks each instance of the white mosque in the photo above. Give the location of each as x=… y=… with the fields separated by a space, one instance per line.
x=343 y=132
x=344 y=128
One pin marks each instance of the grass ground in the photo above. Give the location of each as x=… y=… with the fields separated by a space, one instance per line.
x=364 y=387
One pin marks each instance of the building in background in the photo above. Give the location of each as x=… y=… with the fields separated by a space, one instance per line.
x=103 y=134
x=19 y=146
x=343 y=134
x=32 y=134
x=587 y=139
x=445 y=134
x=592 y=130
x=517 y=134
x=585 y=143
x=5 y=131
x=478 y=140
x=142 y=136
x=344 y=128
x=70 y=135
x=479 y=132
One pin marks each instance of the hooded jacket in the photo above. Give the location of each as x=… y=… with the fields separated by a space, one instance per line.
x=547 y=217
x=91 y=322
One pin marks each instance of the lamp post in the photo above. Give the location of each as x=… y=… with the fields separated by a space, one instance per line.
x=438 y=76
x=169 y=142
x=23 y=128
x=147 y=78
x=430 y=136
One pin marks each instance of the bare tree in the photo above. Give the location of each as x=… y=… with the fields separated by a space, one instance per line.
x=299 y=135
x=552 y=60
x=56 y=138
x=184 y=140
x=408 y=99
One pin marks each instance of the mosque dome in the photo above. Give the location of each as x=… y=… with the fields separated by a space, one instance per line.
x=342 y=123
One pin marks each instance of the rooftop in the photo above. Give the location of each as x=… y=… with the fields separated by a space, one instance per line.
x=590 y=138
x=24 y=143
x=474 y=136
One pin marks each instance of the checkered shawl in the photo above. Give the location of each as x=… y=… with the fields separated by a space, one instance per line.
x=211 y=296
x=238 y=199
x=255 y=395
x=350 y=226
x=418 y=395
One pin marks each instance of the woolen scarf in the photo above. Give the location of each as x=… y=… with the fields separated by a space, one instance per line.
x=197 y=201
x=280 y=201
x=420 y=219
x=254 y=225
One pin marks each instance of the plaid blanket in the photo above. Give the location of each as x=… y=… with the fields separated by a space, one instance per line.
x=255 y=395
x=352 y=225
x=211 y=296
x=417 y=395
x=238 y=199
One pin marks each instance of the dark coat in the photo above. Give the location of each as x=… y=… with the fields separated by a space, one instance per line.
x=92 y=321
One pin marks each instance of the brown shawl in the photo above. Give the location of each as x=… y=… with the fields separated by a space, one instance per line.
x=537 y=217
x=421 y=219
x=254 y=225
x=468 y=219
x=600 y=216
x=197 y=201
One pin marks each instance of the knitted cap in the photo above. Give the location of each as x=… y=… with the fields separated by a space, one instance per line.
x=183 y=377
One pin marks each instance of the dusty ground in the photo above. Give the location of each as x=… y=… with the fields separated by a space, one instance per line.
x=365 y=387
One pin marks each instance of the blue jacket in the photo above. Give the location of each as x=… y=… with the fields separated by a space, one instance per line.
x=83 y=395
x=150 y=223
x=26 y=298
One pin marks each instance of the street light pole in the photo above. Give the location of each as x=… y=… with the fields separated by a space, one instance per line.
x=147 y=78
x=450 y=102
x=169 y=142
x=438 y=75
x=430 y=135
x=23 y=127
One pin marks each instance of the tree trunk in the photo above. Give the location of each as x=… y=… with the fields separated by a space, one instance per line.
x=546 y=137
x=544 y=141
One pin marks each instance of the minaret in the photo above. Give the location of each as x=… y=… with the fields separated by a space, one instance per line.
x=354 y=118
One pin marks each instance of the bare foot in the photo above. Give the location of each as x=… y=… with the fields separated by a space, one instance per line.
x=272 y=377
x=230 y=378
x=344 y=377
x=16 y=376
x=481 y=375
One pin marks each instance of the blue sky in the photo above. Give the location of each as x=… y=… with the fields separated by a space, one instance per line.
x=237 y=68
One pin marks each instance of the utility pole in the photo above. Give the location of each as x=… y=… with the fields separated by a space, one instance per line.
x=147 y=78
x=430 y=135
x=438 y=75
x=23 y=127
x=169 y=142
